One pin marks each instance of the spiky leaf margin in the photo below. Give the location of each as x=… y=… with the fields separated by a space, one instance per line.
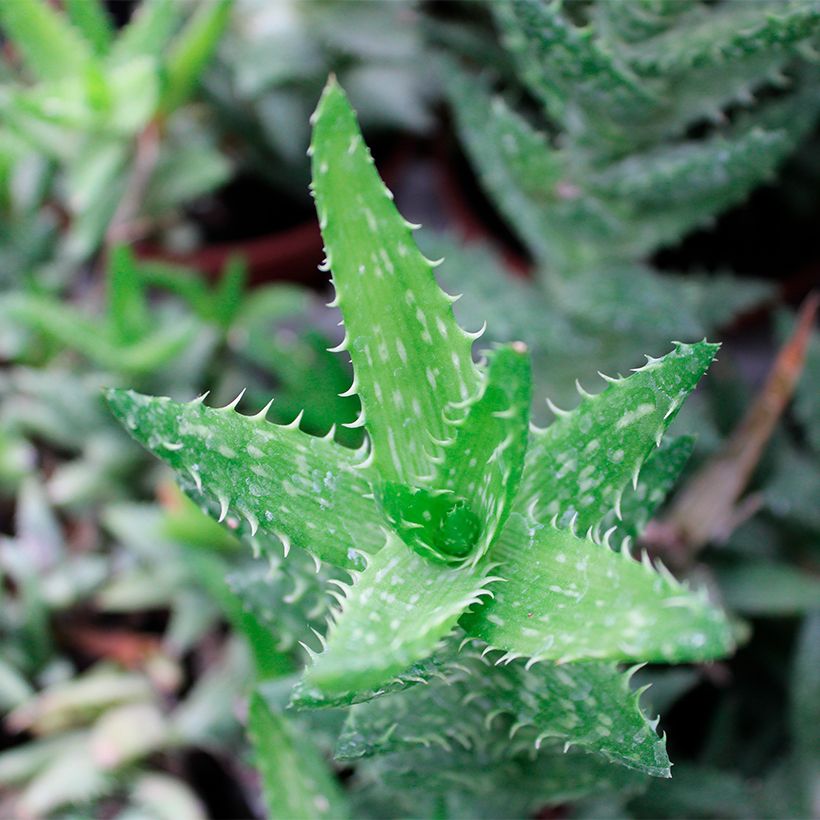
x=393 y=615
x=410 y=357
x=305 y=490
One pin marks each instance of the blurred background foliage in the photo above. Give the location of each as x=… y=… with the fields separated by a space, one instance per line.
x=602 y=178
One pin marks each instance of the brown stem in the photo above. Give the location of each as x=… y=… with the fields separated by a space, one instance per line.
x=707 y=509
x=125 y=225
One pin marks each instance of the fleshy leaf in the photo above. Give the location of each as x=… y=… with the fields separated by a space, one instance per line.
x=584 y=86
x=658 y=475
x=567 y=598
x=436 y=782
x=296 y=781
x=477 y=474
x=409 y=355
x=580 y=464
x=589 y=705
x=50 y=45
x=483 y=464
x=303 y=489
x=393 y=615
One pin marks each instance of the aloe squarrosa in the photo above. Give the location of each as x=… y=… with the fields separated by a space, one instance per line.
x=475 y=543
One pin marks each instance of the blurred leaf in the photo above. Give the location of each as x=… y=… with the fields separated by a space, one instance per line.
x=91 y=18
x=768 y=589
x=162 y=797
x=126 y=733
x=51 y=47
x=296 y=782
x=191 y=50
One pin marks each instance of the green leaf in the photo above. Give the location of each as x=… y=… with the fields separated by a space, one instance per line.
x=731 y=33
x=410 y=357
x=270 y=659
x=303 y=489
x=475 y=478
x=91 y=18
x=52 y=49
x=805 y=707
x=296 y=782
x=148 y=31
x=658 y=476
x=766 y=588
x=578 y=467
x=128 y=307
x=725 y=166
x=393 y=615
x=589 y=705
x=587 y=88
x=634 y=22
x=485 y=785
x=567 y=598
x=191 y=51
x=305 y=697
x=76 y=332
x=484 y=460
x=516 y=164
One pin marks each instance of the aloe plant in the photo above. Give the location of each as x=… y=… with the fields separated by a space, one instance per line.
x=466 y=534
x=612 y=133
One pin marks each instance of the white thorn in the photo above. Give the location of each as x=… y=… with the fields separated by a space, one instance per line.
x=231 y=405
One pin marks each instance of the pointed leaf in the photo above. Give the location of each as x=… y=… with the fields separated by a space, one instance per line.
x=410 y=357
x=483 y=464
x=393 y=615
x=91 y=18
x=191 y=52
x=296 y=781
x=303 y=489
x=477 y=474
x=582 y=462
x=730 y=34
x=567 y=598
x=75 y=331
x=658 y=476
x=589 y=705
x=148 y=31
x=587 y=88
x=51 y=47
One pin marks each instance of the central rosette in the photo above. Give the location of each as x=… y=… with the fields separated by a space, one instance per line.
x=437 y=524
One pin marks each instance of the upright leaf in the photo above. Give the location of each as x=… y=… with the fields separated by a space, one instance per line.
x=484 y=461
x=303 y=489
x=148 y=31
x=410 y=357
x=296 y=782
x=128 y=307
x=91 y=18
x=590 y=90
x=50 y=46
x=191 y=51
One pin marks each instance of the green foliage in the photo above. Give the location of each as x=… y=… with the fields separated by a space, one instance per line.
x=85 y=99
x=468 y=577
x=295 y=780
x=425 y=506
x=273 y=61
x=647 y=123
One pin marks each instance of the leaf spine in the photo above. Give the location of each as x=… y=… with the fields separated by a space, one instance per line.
x=294 y=425
x=231 y=405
